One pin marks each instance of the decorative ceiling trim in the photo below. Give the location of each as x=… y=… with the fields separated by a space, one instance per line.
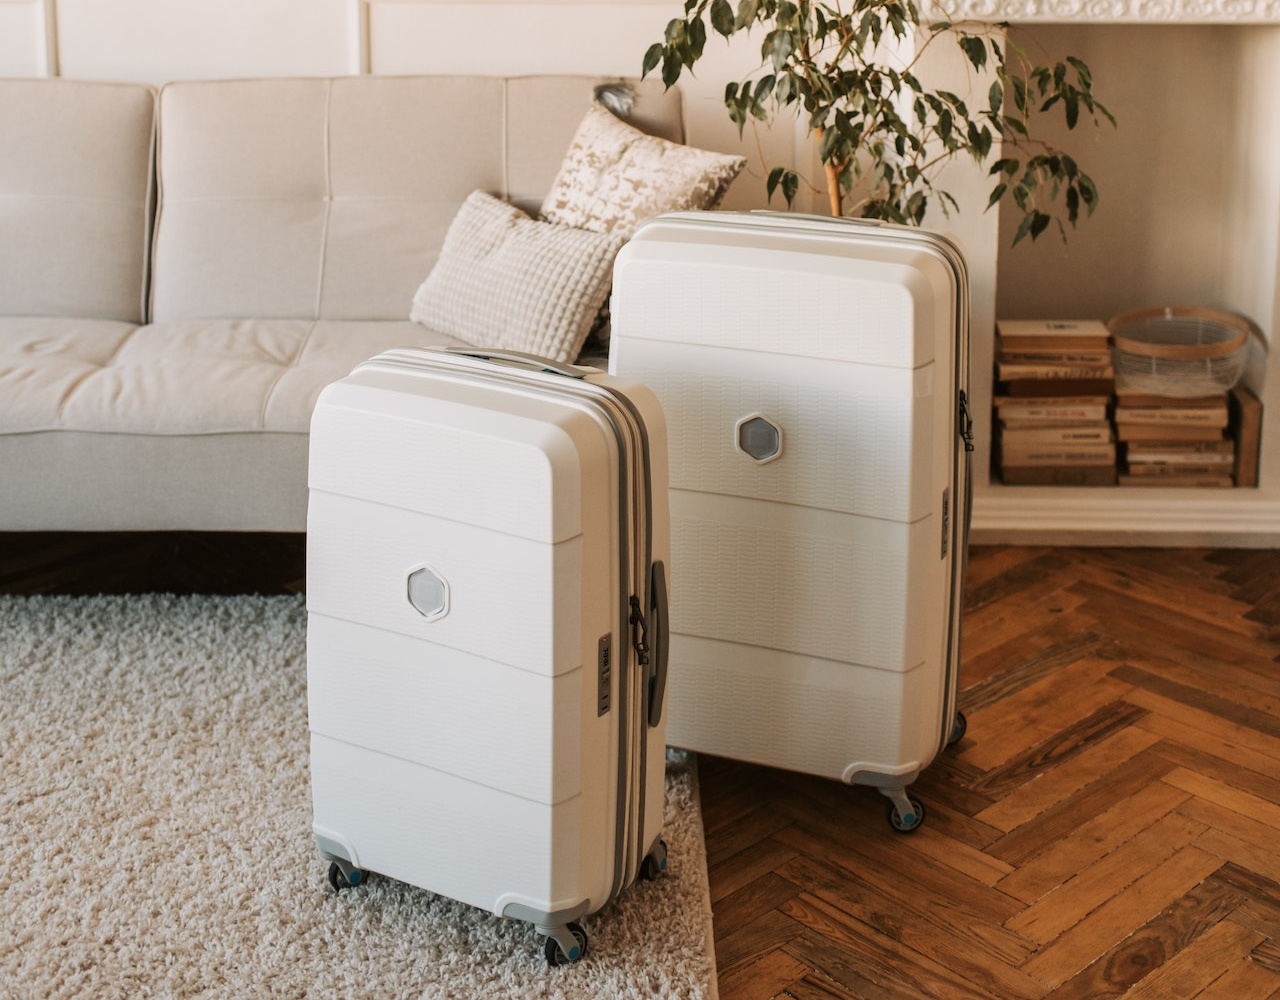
x=1120 y=11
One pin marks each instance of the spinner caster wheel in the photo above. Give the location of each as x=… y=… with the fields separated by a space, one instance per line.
x=959 y=727
x=344 y=877
x=655 y=862
x=905 y=821
x=554 y=950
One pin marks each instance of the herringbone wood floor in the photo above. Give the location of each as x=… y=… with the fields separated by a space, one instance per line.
x=1109 y=826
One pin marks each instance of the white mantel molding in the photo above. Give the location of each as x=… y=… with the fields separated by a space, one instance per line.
x=1118 y=11
x=1132 y=517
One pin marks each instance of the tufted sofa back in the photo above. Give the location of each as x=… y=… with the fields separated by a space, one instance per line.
x=330 y=198
x=75 y=198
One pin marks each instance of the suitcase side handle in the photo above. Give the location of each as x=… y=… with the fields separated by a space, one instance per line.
x=520 y=359
x=658 y=619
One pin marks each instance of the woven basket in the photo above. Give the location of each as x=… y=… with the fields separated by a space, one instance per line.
x=1178 y=351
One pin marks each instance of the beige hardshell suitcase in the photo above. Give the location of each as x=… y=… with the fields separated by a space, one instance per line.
x=814 y=374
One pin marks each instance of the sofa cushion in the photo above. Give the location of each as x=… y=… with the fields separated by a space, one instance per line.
x=506 y=281
x=44 y=360
x=330 y=198
x=614 y=177
x=183 y=378
x=75 y=189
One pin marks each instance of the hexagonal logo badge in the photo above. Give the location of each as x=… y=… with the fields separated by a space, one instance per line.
x=428 y=592
x=758 y=437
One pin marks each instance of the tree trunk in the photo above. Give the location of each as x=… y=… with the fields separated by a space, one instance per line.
x=834 y=198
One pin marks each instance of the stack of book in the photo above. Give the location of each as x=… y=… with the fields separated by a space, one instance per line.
x=1209 y=441
x=1054 y=383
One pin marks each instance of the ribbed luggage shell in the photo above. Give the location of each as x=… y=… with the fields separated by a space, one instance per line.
x=815 y=611
x=483 y=746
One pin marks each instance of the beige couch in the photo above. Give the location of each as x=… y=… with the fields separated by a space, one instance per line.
x=182 y=270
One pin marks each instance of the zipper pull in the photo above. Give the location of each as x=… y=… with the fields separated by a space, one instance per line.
x=966 y=422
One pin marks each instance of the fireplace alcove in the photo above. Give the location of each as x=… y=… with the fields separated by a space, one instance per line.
x=1189 y=215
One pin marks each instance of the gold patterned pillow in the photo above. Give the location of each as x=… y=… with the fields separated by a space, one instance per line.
x=504 y=280
x=615 y=177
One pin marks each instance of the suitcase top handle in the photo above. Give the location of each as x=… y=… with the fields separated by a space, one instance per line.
x=521 y=359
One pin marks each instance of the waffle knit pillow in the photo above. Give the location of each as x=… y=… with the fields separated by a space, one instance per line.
x=615 y=177
x=506 y=281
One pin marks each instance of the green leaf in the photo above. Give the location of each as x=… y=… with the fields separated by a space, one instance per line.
x=976 y=49
x=671 y=67
x=1083 y=73
x=1023 y=228
x=995 y=97
x=980 y=140
x=829 y=139
x=997 y=193
x=790 y=186
x=778 y=46
x=697 y=41
x=1019 y=93
x=1088 y=193
x=652 y=56
x=916 y=206
x=785 y=92
x=722 y=17
x=946 y=125
x=775 y=177
x=747 y=11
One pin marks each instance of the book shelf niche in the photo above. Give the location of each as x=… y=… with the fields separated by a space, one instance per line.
x=1189 y=216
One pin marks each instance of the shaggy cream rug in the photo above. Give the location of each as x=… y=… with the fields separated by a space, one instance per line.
x=155 y=823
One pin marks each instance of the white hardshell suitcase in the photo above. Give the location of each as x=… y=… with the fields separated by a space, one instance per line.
x=814 y=374
x=486 y=548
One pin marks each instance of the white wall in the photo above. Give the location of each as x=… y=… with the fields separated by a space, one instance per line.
x=160 y=40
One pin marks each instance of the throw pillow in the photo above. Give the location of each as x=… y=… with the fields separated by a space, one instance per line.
x=504 y=280
x=614 y=177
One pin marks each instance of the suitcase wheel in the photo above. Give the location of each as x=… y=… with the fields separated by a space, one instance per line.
x=655 y=862
x=959 y=727
x=904 y=819
x=341 y=877
x=554 y=949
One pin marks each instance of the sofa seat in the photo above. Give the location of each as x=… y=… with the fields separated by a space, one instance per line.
x=183 y=377
x=215 y=412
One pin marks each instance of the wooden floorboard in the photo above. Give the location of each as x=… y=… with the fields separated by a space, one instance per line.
x=1108 y=827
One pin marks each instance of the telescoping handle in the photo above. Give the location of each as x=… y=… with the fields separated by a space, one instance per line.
x=520 y=359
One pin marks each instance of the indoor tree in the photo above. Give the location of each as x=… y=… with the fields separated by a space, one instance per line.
x=882 y=135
